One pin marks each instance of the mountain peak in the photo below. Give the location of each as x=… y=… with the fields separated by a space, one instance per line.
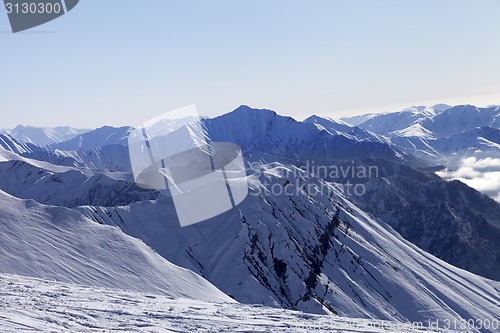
x=463 y=107
x=249 y=115
x=249 y=110
x=441 y=107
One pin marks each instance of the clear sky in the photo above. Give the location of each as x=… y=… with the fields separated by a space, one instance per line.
x=120 y=62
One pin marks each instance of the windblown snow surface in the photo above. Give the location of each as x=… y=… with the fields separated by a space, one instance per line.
x=36 y=305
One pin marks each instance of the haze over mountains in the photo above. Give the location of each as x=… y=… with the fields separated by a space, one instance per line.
x=411 y=247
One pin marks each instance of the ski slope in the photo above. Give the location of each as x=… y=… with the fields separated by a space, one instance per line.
x=60 y=244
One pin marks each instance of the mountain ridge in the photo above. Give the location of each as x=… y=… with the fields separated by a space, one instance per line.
x=43 y=136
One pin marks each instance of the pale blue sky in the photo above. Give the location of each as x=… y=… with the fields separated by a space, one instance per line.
x=121 y=62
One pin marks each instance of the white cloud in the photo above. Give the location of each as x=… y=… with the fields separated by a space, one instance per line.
x=487 y=182
x=482 y=175
x=485 y=163
x=466 y=172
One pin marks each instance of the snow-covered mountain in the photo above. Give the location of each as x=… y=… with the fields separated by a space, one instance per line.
x=284 y=138
x=429 y=130
x=479 y=142
x=299 y=241
x=60 y=244
x=263 y=132
x=438 y=121
x=385 y=123
x=312 y=252
x=101 y=149
x=258 y=132
x=43 y=136
x=462 y=118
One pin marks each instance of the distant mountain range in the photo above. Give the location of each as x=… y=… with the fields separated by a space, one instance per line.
x=435 y=133
x=43 y=136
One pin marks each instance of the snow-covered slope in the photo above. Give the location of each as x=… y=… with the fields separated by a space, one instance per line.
x=479 y=142
x=338 y=127
x=43 y=136
x=110 y=157
x=8 y=155
x=70 y=188
x=462 y=118
x=60 y=244
x=335 y=126
x=415 y=130
x=359 y=119
x=314 y=252
x=8 y=143
x=29 y=304
x=448 y=219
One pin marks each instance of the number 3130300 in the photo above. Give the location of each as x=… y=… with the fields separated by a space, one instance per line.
x=33 y=8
